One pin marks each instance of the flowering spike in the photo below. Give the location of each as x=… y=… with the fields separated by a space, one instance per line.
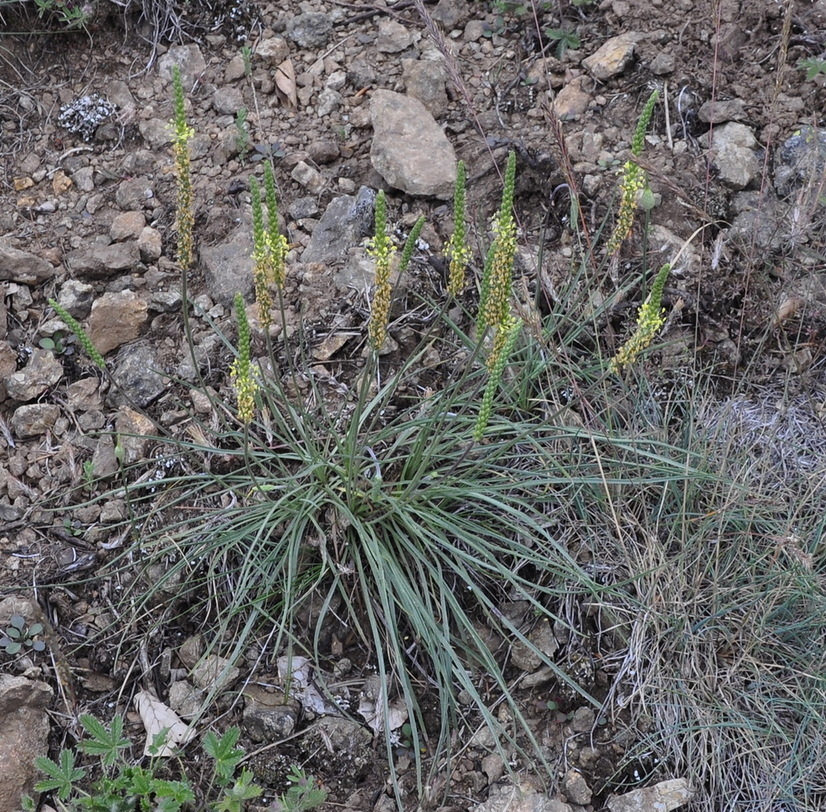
x=503 y=343
x=182 y=133
x=240 y=371
x=79 y=333
x=458 y=250
x=381 y=249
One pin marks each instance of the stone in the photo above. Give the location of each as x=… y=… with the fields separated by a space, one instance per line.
x=235 y=69
x=308 y=177
x=409 y=149
x=393 y=37
x=310 y=30
x=134 y=431
x=156 y=132
x=228 y=100
x=450 y=14
x=542 y=638
x=228 y=266
x=23 y=267
x=733 y=154
x=510 y=798
x=188 y=58
x=663 y=63
x=269 y=717
x=718 y=112
x=127 y=225
x=84 y=395
x=273 y=51
x=426 y=81
x=116 y=319
x=135 y=194
x=303 y=207
x=34 y=419
x=662 y=797
x=576 y=788
x=41 y=373
x=24 y=735
x=150 y=244
x=104 y=460
x=185 y=699
x=214 y=673
x=801 y=160
x=615 y=55
x=583 y=720
x=104 y=261
x=323 y=151
x=345 y=223
x=138 y=374
x=328 y=101
x=76 y=298
x=572 y=100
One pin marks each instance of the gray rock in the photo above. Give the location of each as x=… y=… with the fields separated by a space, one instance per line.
x=303 y=207
x=235 y=69
x=156 y=132
x=663 y=63
x=104 y=261
x=734 y=156
x=104 y=461
x=228 y=100
x=138 y=374
x=76 y=297
x=84 y=395
x=273 y=51
x=134 y=431
x=214 y=673
x=410 y=150
x=717 y=112
x=33 y=420
x=41 y=372
x=543 y=641
x=185 y=699
x=150 y=244
x=345 y=223
x=323 y=151
x=662 y=797
x=188 y=58
x=450 y=14
x=510 y=798
x=228 y=267
x=134 y=194
x=310 y=30
x=583 y=720
x=269 y=722
x=23 y=267
x=116 y=319
x=576 y=788
x=23 y=736
x=393 y=37
x=309 y=177
x=426 y=80
x=615 y=55
x=801 y=161
x=328 y=100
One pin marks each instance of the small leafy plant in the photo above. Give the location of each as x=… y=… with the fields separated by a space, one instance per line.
x=122 y=785
x=813 y=66
x=302 y=795
x=565 y=40
x=18 y=635
x=59 y=343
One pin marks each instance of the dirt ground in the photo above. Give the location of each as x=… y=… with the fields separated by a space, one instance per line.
x=747 y=301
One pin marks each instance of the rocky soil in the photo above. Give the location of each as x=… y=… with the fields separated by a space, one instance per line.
x=347 y=98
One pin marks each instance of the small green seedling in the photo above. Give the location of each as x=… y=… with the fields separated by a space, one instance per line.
x=19 y=634
x=302 y=795
x=242 y=139
x=59 y=343
x=813 y=66
x=565 y=40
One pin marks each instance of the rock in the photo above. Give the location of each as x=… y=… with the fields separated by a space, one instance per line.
x=493 y=767
x=156 y=132
x=613 y=57
x=583 y=720
x=8 y=365
x=308 y=177
x=116 y=318
x=137 y=374
x=127 y=225
x=228 y=266
x=135 y=194
x=662 y=797
x=450 y=14
x=84 y=395
x=425 y=80
x=756 y=219
x=323 y=151
x=800 y=162
x=410 y=150
x=575 y=788
x=310 y=30
x=185 y=699
x=41 y=372
x=510 y=798
x=733 y=154
x=134 y=431
x=542 y=637
x=343 y=225
x=273 y=51
x=188 y=58
x=235 y=69
x=328 y=100
x=76 y=298
x=23 y=736
x=228 y=100
x=104 y=261
x=717 y=112
x=269 y=717
x=572 y=100
x=23 y=267
x=214 y=673
x=663 y=63
x=393 y=37
x=34 y=419
x=303 y=207
x=150 y=244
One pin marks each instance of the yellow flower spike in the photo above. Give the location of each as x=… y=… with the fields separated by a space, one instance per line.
x=458 y=250
x=182 y=134
x=382 y=250
x=240 y=370
x=650 y=319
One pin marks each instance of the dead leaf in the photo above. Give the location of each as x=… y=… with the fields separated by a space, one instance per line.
x=380 y=714
x=159 y=718
x=285 y=82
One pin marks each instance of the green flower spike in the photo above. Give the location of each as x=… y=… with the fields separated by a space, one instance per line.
x=180 y=150
x=81 y=335
x=278 y=245
x=458 y=250
x=240 y=371
x=503 y=344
